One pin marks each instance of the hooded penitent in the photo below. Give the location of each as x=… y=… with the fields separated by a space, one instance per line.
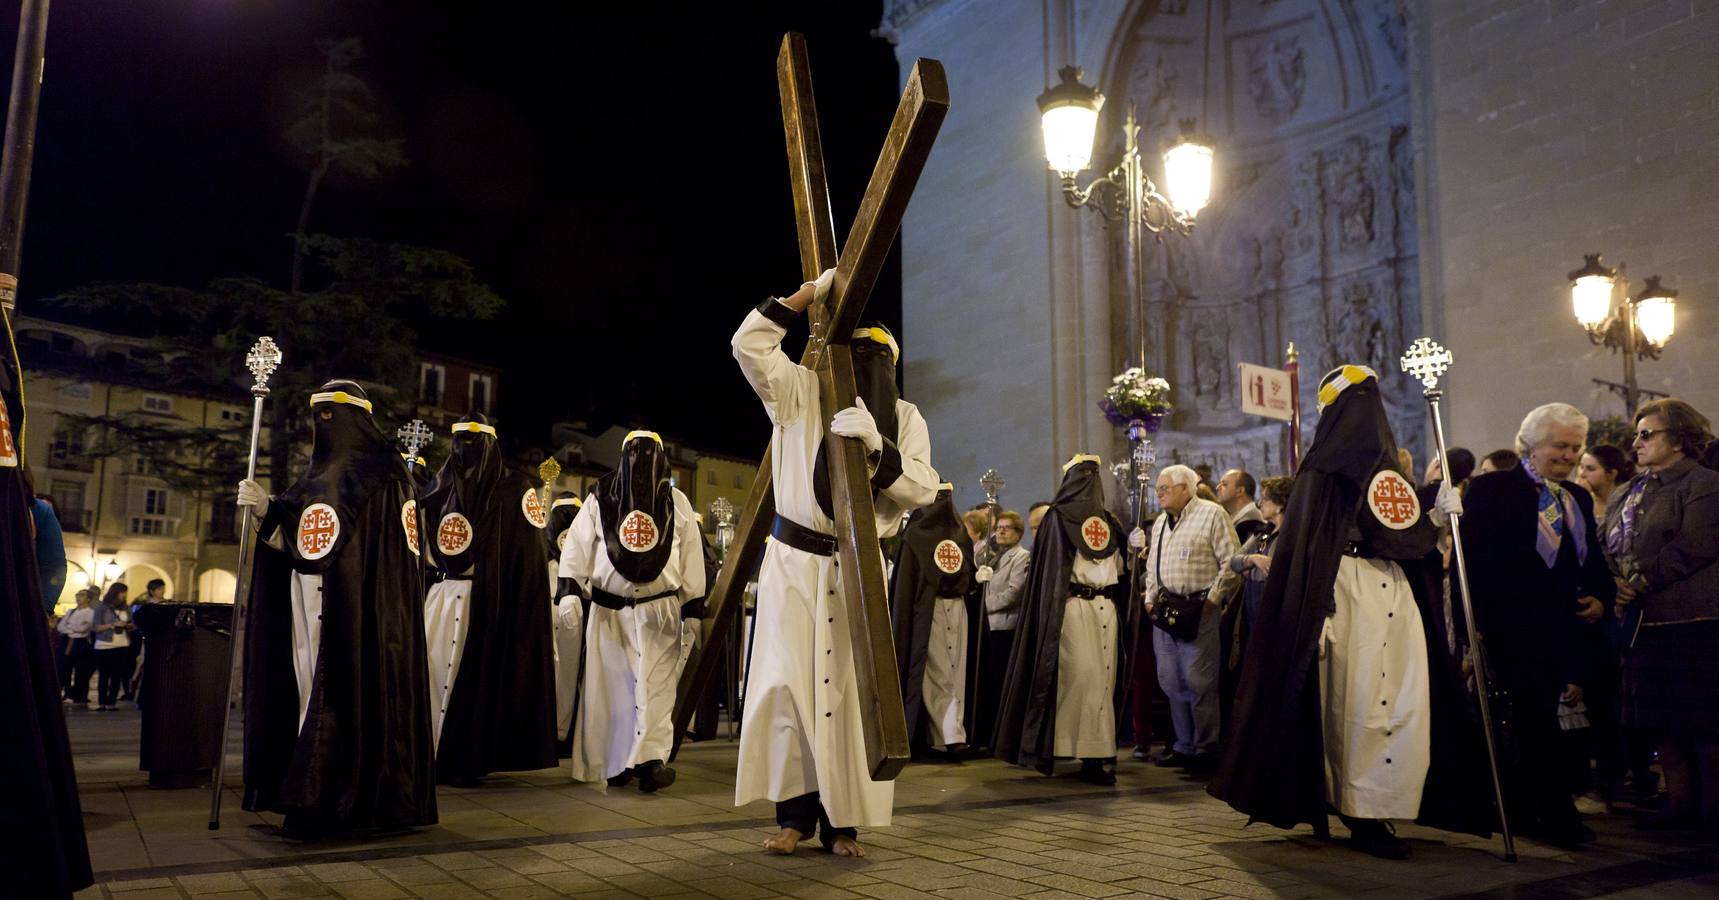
x=935 y=561
x=637 y=502
x=349 y=529
x=561 y=513
x=46 y=852
x=875 y=355
x=1346 y=492
x=488 y=528
x=1076 y=525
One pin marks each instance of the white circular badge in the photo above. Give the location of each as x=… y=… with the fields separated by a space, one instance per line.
x=947 y=556
x=409 y=524
x=638 y=531
x=561 y=539
x=533 y=509
x=1095 y=532
x=318 y=529
x=1393 y=501
x=453 y=535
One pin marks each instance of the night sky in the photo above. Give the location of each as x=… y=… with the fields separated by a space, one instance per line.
x=617 y=175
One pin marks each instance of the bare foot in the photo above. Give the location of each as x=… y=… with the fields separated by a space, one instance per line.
x=847 y=846
x=784 y=842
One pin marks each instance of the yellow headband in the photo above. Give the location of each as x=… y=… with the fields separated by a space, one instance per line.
x=340 y=397
x=946 y=486
x=638 y=434
x=1347 y=376
x=564 y=501
x=1080 y=458
x=475 y=428
x=882 y=337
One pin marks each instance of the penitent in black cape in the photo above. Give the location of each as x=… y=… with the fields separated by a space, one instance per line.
x=1273 y=768
x=43 y=852
x=364 y=757
x=501 y=711
x=919 y=581
x=1026 y=714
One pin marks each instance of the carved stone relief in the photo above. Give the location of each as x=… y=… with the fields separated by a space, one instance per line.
x=1352 y=185
x=1276 y=77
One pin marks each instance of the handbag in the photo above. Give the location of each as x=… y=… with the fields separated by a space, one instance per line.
x=1177 y=614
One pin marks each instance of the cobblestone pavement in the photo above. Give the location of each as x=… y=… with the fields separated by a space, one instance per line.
x=969 y=831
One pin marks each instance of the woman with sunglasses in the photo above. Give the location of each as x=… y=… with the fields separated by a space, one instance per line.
x=1661 y=536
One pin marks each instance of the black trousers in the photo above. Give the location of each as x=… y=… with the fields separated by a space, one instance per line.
x=115 y=666
x=71 y=657
x=806 y=815
x=993 y=665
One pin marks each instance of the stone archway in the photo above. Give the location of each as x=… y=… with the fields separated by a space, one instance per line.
x=1311 y=235
x=216 y=586
x=138 y=575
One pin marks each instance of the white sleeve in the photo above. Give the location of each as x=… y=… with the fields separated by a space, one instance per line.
x=1149 y=592
x=578 y=555
x=916 y=485
x=691 y=559
x=783 y=385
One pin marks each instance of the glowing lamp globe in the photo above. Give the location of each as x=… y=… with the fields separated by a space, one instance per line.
x=1591 y=292
x=1188 y=172
x=1069 y=115
x=1656 y=312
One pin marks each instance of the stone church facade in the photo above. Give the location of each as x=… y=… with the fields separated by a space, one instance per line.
x=1386 y=169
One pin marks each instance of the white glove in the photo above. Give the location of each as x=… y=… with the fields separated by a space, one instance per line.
x=983 y=574
x=1137 y=540
x=856 y=422
x=251 y=494
x=821 y=287
x=1447 y=504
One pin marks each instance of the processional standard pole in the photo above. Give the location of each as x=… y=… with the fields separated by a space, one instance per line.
x=1426 y=361
x=262 y=361
x=416 y=436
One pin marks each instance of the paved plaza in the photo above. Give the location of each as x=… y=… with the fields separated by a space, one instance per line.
x=975 y=830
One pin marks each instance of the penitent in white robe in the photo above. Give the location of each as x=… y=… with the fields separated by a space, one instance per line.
x=1373 y=693
x=306 y=636
x=801 y=729
x=447 y=618
x=944 y=684
x=1086 y=666
x=632 y=655
x=568 y=621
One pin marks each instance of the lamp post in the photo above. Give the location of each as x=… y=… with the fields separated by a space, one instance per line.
x=1639 y=327
x=1126 y=195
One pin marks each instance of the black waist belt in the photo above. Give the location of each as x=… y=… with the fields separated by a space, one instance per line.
x=1358 y=549
x=616 y=601
x=1086 y=591
x=800 y=537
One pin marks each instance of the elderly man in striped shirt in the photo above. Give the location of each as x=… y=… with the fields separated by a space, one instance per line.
x=1185 y=573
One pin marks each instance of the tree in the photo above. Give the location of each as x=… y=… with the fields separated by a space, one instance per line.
x=359 y=323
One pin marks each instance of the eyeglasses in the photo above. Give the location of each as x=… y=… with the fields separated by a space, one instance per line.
x=1646 y=434
x=1007 y=526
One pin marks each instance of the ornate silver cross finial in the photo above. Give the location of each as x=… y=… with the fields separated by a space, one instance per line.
x=415 y=435
x=262 y=360
x=1426 y=361
x=993 y=485
x=722 y=510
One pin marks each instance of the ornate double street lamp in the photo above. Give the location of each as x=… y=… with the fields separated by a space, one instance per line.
x=1639 y=327
x=1128 y=196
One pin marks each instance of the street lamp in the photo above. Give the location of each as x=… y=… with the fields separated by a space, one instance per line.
x=110 y=571
x=1640 y=327
x=1125 y=194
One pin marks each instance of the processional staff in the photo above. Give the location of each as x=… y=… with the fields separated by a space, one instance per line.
x=548 y=471
x=1426 y=361
x=262 y=360
x=416 y=436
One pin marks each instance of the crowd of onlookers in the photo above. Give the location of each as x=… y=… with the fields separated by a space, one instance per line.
x=1594 y=575
x=98 y=639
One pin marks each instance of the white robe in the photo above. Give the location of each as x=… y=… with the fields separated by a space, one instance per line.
x=447 y=618
x=944 y=684
x=569 y=649
x=632 y=655
x=801 y=729
x=306 y=635
x=1373 y=693
x=1086 y=666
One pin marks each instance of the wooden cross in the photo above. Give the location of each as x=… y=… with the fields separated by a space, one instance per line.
x=920 y=113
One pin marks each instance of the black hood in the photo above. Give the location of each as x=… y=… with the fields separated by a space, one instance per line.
x=1078 y=503
x=925 y=535
x=349 y=457
x=637 y=502
x=1354 y=442
x=462 y=489
x=874 y=382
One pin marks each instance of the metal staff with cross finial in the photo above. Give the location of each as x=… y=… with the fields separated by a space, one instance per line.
x=262 y=360
x=416 y=436
x=1425 y=360
x=548 y=470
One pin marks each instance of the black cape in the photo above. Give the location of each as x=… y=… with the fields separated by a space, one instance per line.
x=919 y=582
x=44 y=853
x=501 y=710
x=184 y=689
x=1273 y=766
x=641 y=483
x=1026 y=714
x=364 y=757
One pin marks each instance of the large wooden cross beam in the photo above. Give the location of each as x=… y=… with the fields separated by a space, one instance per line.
x=917 y=119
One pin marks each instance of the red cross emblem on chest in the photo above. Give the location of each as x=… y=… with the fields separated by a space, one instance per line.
x=638 y=531
x=1393 y=501
x=533 y=509
x=1096 y=533
x=947 y=556
x=318 y=528
x=409 y=523
x=454 y=534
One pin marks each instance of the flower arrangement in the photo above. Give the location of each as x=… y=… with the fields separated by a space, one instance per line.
x=1135 y=395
